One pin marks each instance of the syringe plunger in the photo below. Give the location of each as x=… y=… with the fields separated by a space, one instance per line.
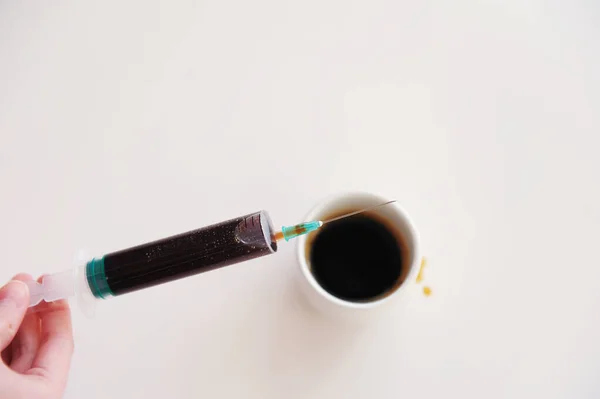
x=52 y=287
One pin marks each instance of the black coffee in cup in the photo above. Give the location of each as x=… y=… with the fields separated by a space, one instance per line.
x=357 y=259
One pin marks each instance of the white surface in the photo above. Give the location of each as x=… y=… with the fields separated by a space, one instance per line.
x=125 y=121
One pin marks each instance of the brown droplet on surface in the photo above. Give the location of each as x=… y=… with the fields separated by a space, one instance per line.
x=426 y=291
x=420 y=275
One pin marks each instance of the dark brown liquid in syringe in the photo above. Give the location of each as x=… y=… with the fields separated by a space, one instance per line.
x=183 y=255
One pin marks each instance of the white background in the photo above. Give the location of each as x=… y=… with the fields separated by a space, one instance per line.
x=127 y=121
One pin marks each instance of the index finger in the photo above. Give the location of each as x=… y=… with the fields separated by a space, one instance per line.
x=53 y=359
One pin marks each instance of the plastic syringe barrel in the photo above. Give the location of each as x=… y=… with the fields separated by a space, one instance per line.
x=208 y=248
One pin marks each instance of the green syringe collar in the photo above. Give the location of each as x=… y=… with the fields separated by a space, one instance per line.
x=300 y=229
x=96 y=278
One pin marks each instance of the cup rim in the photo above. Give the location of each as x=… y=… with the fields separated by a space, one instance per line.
x=303 y=262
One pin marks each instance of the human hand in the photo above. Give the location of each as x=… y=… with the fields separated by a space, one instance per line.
x=36 y=347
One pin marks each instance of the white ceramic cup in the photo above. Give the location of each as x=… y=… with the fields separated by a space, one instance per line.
x=394 y=216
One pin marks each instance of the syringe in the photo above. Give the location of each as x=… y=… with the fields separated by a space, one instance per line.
x=197 y=251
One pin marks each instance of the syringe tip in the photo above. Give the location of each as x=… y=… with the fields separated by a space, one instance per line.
x=300 y=229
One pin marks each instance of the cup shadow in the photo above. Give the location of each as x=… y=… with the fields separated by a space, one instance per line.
x=272 y=342
x=308 y=348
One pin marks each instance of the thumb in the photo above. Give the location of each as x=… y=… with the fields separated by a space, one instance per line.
x=14 y=299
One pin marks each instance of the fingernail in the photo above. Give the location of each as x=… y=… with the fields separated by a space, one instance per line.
x=15 y=293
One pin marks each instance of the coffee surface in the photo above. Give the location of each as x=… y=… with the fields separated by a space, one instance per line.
x=356 y=259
